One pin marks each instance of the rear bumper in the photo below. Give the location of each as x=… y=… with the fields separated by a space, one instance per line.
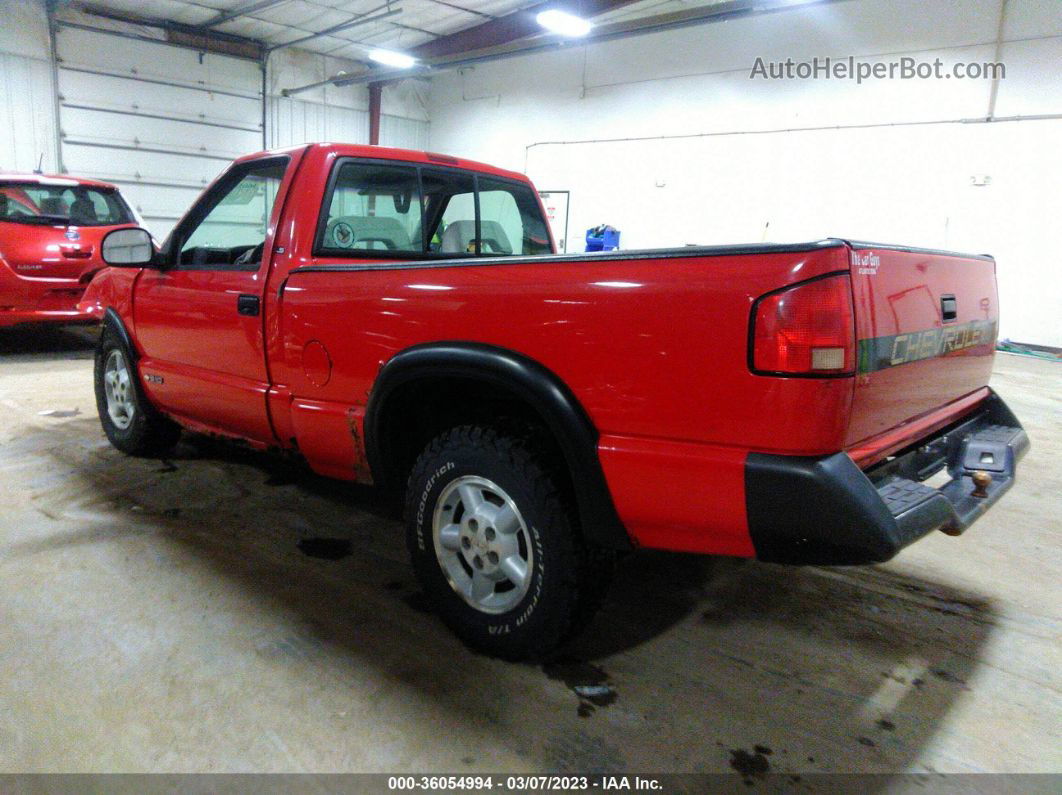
x=56 y=317
x=825 y=510
x=25 y=300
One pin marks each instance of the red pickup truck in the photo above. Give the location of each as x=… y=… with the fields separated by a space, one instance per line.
x=51 y=228
x=401 y=318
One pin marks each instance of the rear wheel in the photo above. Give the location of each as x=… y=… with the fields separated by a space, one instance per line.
x=131 y=423
x=483 y=544
x=494 y=546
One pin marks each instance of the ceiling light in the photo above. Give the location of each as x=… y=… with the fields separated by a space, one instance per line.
x=563 y=23
x=399 y=60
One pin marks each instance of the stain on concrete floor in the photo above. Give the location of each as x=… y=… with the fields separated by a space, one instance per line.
x=325 y=548
x=589 y=682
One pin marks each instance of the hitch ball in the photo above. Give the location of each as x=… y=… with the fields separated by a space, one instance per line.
x=981 y=479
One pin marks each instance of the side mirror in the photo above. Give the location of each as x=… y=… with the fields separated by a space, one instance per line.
x=128 y=248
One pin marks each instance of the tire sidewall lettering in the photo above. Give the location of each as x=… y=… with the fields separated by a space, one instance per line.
x=422 y=503
x=523 y=613
x=548 y=612
x=530 y=602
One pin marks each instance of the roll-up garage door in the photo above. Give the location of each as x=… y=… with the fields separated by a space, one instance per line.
x=159 y=120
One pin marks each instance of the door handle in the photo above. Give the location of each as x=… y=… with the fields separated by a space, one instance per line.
x=949 y=309
x=248 y=305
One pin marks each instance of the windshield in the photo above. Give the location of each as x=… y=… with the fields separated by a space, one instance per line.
x=78 y=205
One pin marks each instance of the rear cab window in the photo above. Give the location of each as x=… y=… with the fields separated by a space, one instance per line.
x=388 y=210
x=373 y=208
x=79 y=205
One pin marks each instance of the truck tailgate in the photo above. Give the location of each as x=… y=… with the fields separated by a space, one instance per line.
x=926 y=331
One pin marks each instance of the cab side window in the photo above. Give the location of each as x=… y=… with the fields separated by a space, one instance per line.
x=383 y=210
x=227 y=231
x=510 y=220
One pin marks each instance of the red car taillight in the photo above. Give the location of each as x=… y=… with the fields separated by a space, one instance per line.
x=808 y=329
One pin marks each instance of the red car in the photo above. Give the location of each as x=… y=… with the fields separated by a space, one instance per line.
x=400 y=318
x=51 y=228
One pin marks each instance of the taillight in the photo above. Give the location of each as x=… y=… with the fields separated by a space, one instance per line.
x=808 y=329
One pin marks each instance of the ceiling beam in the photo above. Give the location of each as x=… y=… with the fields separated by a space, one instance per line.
x=542 y=42
x=375 y=15
x=194 y=36
x=509 y=28
x=239 y=11
x=466 y=10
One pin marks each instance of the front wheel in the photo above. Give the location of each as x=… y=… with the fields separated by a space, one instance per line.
x=131 y=423
x=493 y=545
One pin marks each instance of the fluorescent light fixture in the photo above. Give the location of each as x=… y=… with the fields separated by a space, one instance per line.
x=399 y=60
x=563 y=23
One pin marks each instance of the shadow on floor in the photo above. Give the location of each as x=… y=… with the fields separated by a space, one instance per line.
x=32 y=342
x=714 y=664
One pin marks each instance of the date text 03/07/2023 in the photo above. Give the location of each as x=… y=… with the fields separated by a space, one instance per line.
x=524 y=783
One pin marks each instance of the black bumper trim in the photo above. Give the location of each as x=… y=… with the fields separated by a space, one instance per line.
x=826 y=511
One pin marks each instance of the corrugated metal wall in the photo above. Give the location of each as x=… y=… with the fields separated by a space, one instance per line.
x=27 y=114
x=27 y=96
x=293 y=121
x=403 y=133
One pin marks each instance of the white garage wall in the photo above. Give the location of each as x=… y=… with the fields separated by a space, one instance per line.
x=324 y=114
x=339 y=113
x=27 y=98
x=405 y=120
x=877 y=163
x=293 y=121
x=160 y=120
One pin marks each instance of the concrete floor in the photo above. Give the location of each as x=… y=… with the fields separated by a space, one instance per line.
x=161 y=616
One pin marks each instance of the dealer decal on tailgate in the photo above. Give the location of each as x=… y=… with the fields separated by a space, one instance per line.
x=880 y=353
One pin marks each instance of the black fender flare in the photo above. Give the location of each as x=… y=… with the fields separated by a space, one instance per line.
x=530 y=382
x=112 y=320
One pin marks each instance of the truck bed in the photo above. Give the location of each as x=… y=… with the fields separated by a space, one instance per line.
x=685 y=312
x=655 y=346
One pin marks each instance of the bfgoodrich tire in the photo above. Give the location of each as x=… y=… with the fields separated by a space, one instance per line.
x=493 y=546
x=131 y=423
